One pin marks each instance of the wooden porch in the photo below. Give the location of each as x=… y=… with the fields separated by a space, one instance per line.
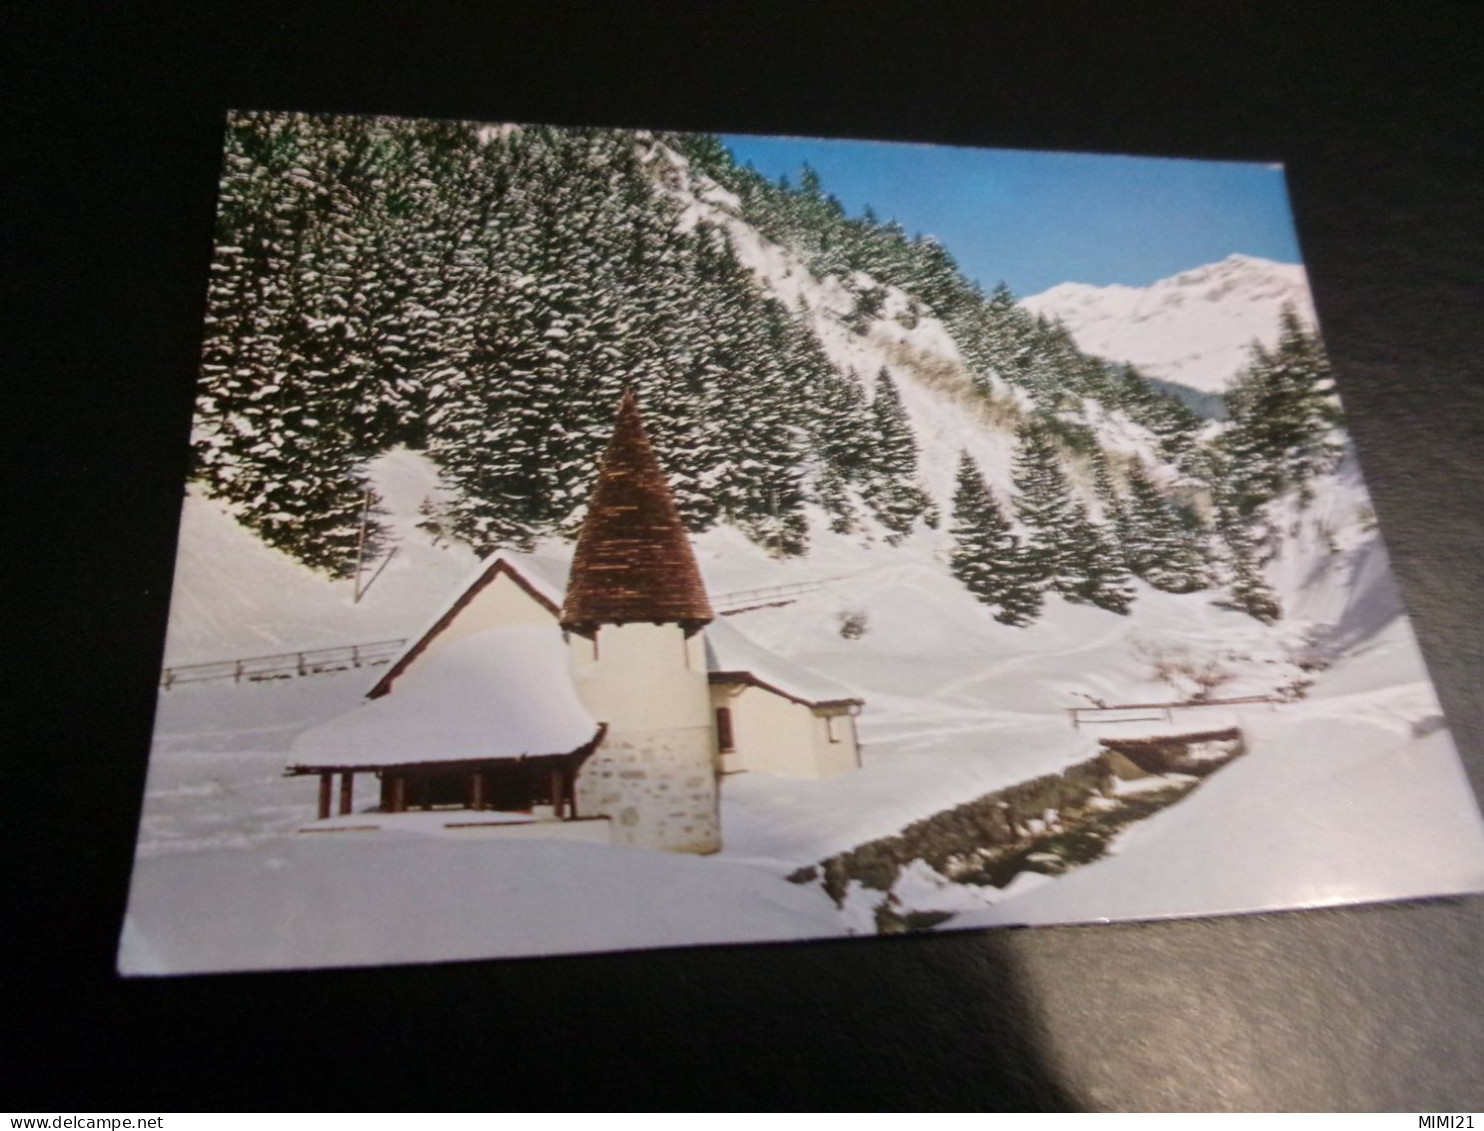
x=544 y=784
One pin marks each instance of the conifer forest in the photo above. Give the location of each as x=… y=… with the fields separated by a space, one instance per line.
x=486 y=294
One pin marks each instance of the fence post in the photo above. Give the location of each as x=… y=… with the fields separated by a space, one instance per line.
x=300 y=655
x=237 y=672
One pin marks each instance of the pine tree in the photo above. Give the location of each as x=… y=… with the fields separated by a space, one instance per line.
x=1160 y=545
x=1094 y=573
x=893 y=491
x=987 y=556
x=1043 y=503
x=1115 y=511
x=1282 y=415
x=488 y=294
x=1066 y=551
x=284 y=373
x=1249 y=589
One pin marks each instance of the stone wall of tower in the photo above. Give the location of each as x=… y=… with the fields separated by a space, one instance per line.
x=655 y=774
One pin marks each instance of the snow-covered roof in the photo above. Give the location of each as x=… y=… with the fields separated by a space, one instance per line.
x=728 y=650
x=730 y=653
x=503 y=693
x=544 y=577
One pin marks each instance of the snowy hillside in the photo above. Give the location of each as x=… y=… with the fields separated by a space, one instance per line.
x=1193 y=328
x=949 y=414
x=773 y=366
x=957 y=705
x=235 y=597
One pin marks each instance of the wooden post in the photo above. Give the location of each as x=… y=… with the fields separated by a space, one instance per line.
x=476 y=790
x=324 y=795
x=558 y=780
x=347 y=791
x=300 y=656
x=399 y=794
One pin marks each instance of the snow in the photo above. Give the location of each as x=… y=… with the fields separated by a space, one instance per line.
x=1193 y=328
x=234 y=597
x=546 y=573
x=729 y=650
x=502 y=693
x=1351 y=793
x=375 y=898
x=1348 y=796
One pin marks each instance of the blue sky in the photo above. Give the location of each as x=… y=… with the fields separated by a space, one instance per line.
x=1037 y=219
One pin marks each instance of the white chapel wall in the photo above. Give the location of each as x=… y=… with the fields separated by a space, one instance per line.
x=775 y=735
x=500 y=604
x=654 y=775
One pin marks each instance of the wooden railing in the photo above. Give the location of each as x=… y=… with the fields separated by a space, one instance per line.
x=1166 y=710
x=742 y=600
x=285 y=665
x=314 y=661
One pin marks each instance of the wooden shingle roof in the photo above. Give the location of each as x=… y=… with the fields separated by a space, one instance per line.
x=634 y=561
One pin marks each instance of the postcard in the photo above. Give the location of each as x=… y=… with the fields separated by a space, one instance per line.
x=602 y=539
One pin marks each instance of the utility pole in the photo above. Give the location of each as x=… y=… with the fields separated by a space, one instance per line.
x=361 y=542
x=777 y=532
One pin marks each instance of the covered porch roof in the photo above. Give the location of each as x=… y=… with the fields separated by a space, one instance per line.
x=499 y=695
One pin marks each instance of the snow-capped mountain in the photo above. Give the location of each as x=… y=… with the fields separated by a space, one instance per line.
x=1193 y=328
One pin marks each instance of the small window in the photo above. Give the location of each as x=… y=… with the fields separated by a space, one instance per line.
x=724 y=740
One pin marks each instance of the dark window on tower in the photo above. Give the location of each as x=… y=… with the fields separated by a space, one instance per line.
x=724 y=741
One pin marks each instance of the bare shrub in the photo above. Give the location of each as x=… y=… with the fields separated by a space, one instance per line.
x=1192 y=674
x=852 y=623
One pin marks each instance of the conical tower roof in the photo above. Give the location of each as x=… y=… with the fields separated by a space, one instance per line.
x=634 y=560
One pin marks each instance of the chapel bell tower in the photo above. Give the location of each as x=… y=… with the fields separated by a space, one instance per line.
x=634 y=615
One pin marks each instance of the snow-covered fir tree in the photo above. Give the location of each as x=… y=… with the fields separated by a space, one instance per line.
x=1065 y=549
x=896 y=497
x=987 y=556
x=1250 y=591
x=1283 y=415
x=1161 y=544
x=487 y=293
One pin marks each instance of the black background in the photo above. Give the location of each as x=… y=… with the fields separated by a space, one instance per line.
x=113 y=135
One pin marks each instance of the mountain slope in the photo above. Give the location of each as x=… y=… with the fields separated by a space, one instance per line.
x=1194 y=328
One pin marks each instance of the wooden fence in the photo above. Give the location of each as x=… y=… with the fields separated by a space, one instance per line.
x=285 y=665
x=743 y=600
x=1165 y=712
x=314 y=661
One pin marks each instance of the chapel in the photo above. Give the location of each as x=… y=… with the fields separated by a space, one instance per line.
x=602 y=700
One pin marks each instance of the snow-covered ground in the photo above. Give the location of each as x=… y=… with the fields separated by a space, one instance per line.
x=234 y=597
x=1352 y=793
